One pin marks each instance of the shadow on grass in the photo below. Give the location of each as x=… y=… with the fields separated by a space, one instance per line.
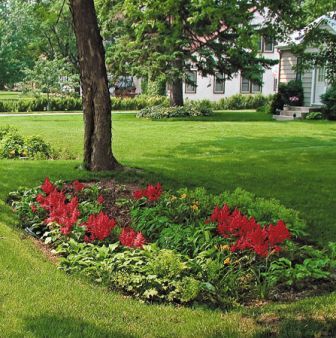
x=57 y=326
x=231 y=144
x=224 y=117
x=295 y=328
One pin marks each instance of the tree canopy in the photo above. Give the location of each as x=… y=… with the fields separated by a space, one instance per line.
x=171 y=37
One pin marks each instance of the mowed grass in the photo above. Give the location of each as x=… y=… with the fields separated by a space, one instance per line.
x=291 y=161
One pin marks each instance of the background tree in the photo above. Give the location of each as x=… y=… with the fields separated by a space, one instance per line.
x=318 y=48
x=96 y=96
x=170 y=37
x=57 y=38
x=315 y=8
x=51 y=77
x=18 y=48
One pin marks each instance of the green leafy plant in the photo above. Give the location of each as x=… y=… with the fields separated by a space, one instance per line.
x=13 y=145
x=329 y=100
x=159 y=112
x=314 y=116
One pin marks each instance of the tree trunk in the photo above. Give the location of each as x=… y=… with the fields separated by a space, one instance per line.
x=176 y=93
x=176 y=86
x=95 y=91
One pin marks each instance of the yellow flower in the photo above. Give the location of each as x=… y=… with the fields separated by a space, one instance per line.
x=224 y=247
x=173 y=198
x=227 y=261
x=194 y=207
x=183 y=196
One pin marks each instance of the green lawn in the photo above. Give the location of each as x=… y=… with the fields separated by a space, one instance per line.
x=291 y=161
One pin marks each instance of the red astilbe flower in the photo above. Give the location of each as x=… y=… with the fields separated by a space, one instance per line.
x=60 y=211
x=129 y=237
x=78 y=186
x=65 y=214
x=99 y=227
x=152 y=193
x=47 y=186
x=248 y=233
x=100 y=199
x=278 y=233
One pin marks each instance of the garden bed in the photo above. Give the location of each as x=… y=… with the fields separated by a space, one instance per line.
x=183 y=247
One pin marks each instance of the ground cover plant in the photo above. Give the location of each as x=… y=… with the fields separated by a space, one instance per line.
x=197 y=109
x=183 y=247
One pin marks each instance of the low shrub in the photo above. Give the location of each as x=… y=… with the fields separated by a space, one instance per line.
x=13 y=145
x=314 y=116
x=186 y=247
x=329 y=100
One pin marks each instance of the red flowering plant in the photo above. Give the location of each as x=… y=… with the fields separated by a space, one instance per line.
x=131 y=238
x=98 y=227
x=59 y=208
x=151 y=193
x=247 y=233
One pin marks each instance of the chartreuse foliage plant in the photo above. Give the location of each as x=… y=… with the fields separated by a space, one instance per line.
x=14 y=145
x=184 y=247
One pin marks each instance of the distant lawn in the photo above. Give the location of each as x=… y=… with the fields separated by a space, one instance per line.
x=291 y=161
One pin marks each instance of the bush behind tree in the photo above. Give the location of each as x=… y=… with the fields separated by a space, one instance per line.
x=329 y=100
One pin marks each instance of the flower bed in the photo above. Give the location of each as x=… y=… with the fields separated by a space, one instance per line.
x=184 y=247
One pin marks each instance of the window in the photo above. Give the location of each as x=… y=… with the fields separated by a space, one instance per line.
x=260 y=44
x=190 y=87
x=275 y=85
x=245 y=85
x=321 y=74
x=268 y=45
x=256 y=88
x=248 y=86
x=219 y=83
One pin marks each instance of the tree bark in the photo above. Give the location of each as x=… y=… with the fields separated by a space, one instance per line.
x=176 y=90
x=176 y=93
x=95 y=91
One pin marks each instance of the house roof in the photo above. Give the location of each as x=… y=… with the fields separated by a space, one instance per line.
x=326 y=22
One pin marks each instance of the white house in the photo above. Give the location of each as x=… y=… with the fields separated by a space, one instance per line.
x=313 y=80
x=213 y=88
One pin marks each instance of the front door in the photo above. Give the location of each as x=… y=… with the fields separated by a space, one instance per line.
x=320 y=84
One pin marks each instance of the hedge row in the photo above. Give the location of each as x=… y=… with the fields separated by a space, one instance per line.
x=142 y=101
x=70 y=104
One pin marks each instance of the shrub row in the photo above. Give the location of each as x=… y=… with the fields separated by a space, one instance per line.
x=139 y=102
x=70 y=104
x=240 y=101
